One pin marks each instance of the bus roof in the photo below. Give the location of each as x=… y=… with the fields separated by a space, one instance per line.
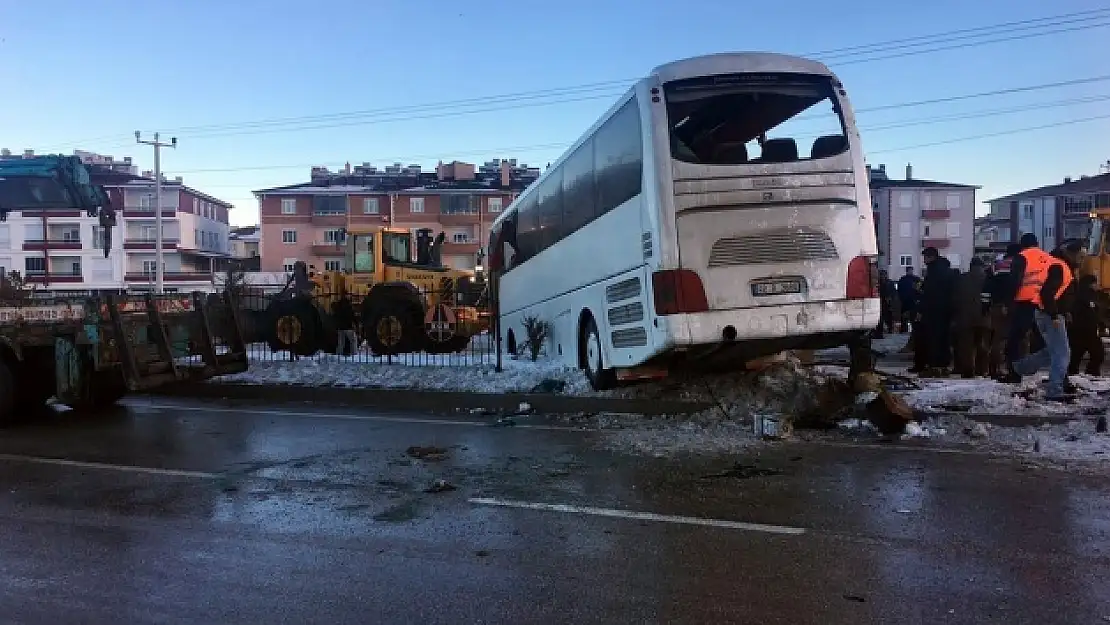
x=705 y=65
x=738 y=63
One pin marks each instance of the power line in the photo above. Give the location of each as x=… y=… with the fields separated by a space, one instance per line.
x=885 y=107
x=524 y=148
x=989 y=135
x=864 y=49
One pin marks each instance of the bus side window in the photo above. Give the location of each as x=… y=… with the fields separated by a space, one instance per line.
x=527 y=230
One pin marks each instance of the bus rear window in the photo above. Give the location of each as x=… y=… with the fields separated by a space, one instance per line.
x=754 y=118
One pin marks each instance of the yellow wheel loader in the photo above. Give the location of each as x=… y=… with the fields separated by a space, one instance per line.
x=400 y=306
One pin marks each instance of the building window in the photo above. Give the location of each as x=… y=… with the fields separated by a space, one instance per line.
x=926 y=201
x=1049 y=231
x=953 y=229
x=97 y=238
x=333 y=265
x=287 y=264
x=71 y=235
x=905 y=199
x=288 y=206
x=5 y=236
x=460 y=237
x=196 y=206
x=334 y=236
x=416 y=205
x=905 y=229
x=953 y=201
x=370 y=206
x=494 y=205
x=150 y=267
x=288 y=236
x=75 y=267
x=1027 y=211
x=926 y=230
x=905 y=260
x=35 y=265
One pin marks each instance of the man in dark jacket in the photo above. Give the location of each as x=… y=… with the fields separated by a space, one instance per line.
x=887 y=294
x=1083 y=329
x=970 y=323
x=907 y=296
x=936 y=313
x=343 y=314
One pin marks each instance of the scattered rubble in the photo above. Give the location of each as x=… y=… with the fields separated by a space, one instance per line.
x=428 y=454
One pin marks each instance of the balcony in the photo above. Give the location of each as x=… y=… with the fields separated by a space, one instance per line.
x=936 y=213
x=38 y=245
x=144 y=243
x=453 y=248
x=460 y=219
x=169 y=276
x=59 y=277
x=328 y=248
x=137 y=212
x=329 y=218
x=940 y=244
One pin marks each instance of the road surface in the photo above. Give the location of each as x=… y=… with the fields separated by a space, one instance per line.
x=178 y=512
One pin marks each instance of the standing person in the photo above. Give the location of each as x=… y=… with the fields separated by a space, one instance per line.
x=1083 y=332
x=886 y=311
x=343 y=314
x=1045 y=289
x=907 y=296
x=1001 y=289
x=1022 y=313
x=970 y=322
x=936 y=313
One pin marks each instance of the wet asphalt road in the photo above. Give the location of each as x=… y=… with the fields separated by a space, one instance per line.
x=203 y=513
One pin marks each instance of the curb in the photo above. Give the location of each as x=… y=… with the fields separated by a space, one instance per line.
x=425 y=400
x=1016 y=420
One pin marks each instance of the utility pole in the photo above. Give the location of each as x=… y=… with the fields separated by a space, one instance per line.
x=159 y=275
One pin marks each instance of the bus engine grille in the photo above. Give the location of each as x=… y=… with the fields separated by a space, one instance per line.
x=787 y=245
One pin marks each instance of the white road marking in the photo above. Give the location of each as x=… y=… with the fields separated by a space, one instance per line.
x=104 y=466
x=639 y=516
x=355 y=417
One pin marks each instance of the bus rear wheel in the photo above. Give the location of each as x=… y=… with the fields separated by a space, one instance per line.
x=593 y=362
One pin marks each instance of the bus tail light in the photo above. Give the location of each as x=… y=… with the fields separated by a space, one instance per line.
x=678 y=291
x=863 y=278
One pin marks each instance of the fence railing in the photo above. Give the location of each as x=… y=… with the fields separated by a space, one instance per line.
x=419 y=328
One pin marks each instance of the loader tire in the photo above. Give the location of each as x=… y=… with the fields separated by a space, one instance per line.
x=394 y=326
x=294 y=327
x=454 y=345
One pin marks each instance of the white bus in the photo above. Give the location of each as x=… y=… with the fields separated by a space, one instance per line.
x=676 y=230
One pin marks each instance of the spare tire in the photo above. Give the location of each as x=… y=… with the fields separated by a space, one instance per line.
x=293 y=326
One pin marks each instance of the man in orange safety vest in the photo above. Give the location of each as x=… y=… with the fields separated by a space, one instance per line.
x=1044 y=284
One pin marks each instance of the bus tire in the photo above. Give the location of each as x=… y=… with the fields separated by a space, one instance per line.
x=593 y=361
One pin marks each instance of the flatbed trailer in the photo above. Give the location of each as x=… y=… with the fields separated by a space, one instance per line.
x=89 y=352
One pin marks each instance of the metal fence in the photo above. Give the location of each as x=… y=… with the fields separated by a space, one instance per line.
x=437 y=328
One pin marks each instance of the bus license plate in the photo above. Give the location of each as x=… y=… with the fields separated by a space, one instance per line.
x=776 y=287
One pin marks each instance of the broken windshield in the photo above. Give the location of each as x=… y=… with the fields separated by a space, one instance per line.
x=754 y=118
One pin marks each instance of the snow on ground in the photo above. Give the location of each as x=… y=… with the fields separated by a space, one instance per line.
x=433 y=372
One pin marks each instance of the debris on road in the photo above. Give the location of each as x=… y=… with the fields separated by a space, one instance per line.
x=440 y=486
x=430 y=454
x=744 y=471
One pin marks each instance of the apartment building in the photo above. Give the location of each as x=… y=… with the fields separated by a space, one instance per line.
x=245 y=247
x=63 y=250
x=1055 y=213
x=913 y=214
x=304 y=222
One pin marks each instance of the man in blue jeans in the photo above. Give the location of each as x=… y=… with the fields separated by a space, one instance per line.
x=1046 y=285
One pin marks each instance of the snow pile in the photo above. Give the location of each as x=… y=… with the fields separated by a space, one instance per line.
x=428 y=374
x=982 y=396
x=660 y=438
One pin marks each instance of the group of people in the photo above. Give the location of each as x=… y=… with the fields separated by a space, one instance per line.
x=1026 y=311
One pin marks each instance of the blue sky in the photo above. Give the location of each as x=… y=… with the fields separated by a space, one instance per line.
x=87 y=74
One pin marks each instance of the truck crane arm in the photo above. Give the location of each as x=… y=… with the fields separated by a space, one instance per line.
x=54 y=183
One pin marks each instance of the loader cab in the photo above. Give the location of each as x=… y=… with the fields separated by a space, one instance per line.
x=1096 y=260
x=368 y=252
